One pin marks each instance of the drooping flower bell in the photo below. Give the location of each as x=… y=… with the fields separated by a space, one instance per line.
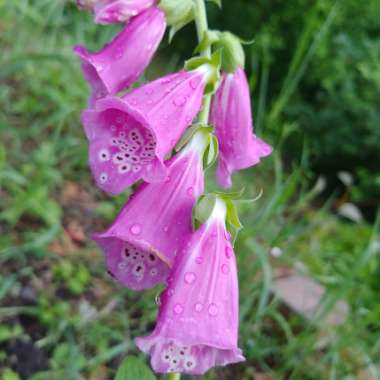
x=121 y=62
x=130 y=136
x=115 y=11
x=197 y=326
x=141 y=244
x=231 y=115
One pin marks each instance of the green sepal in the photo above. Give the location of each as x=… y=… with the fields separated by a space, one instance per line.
x=190 y=132
x=209 y=38
x=249 y=201
x=177 y=14
x=203 y=209
x=217 y=2
x=233 y=53
x=214 y=62
x=234 y=232
x=234 y=195
x=178 y=26
x=212 y=151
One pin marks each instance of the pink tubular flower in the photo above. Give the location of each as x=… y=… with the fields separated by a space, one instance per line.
x=130 y=136
x=197 y=324
x=239 y=147
x=141 y=244
x=114 y=11
x=121 y=62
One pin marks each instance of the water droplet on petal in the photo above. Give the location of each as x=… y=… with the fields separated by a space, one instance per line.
x=135 y=229
x=229 y=252
x=199 y=260
x=213 y=310
x=166 y=228
x=225 y=269
x=194 y=83
x=190 y=191
x=198 y=307
x=190 y=277
x=227 y=235
x=170 y=292
x=180 y=101
x=178 y=309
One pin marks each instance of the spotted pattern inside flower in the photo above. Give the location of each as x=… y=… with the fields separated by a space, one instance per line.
x=133 y=150
x=138 y=263
x=129 y=149
x=178 y=358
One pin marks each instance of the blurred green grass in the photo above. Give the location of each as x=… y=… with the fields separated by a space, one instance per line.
x=62 y=318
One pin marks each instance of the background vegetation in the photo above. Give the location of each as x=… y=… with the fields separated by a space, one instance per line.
x=315 y=78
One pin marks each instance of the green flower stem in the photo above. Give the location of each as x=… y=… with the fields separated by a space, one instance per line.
x=202 y=27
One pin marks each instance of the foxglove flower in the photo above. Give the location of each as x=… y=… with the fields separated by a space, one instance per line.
x=130 y=136
x=197 y=325
x=120 y=63
x=141 y=244
x=115 y=11
x=231 y=115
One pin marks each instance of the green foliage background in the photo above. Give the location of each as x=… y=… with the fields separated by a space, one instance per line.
x=315 y=78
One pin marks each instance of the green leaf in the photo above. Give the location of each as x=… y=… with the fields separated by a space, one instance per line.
x=133 y=368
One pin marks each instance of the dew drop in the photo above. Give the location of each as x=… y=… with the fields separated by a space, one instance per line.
x=225 y=269
x=190 y=277
x=180 y=101
x=213 y=310
x=166 y=228
x=135 y=229
x=190 y=191
x=199 y=260
x=170 y=292
x=194 y=83
x=198 y=307
x=227 y=235
x=229 y=252
x=178 y=309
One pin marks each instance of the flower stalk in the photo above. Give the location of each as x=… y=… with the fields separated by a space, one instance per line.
x=202 y=28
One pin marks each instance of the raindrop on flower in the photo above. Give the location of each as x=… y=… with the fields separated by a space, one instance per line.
x=135 y=229
x=229 y=252
x=213 y=310
x=180 y=101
